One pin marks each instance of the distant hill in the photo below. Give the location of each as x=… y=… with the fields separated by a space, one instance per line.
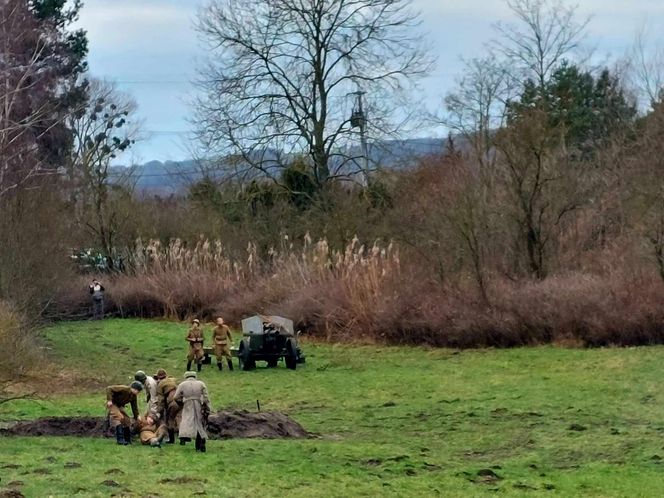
x=172 y=177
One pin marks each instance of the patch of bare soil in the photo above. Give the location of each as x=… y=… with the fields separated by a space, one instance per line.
x=182 y=480
x=58 y=426
x=11 y=493
x=221 y=425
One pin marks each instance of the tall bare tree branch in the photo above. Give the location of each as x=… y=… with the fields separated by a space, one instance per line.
x=281 y=72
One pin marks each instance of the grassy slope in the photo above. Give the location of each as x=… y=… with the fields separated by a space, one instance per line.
x=392 y=422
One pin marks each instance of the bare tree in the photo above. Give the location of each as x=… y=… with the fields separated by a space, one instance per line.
x=655 y=233
x=541 y=185
x=103 y=129
x=546 y=33
x=644 y=183
x=283 y=72
x=27 y=81
x=476 y=109
x=647 y=65
x=464 y=199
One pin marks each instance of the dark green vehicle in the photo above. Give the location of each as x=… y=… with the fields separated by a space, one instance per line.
x=269 y=339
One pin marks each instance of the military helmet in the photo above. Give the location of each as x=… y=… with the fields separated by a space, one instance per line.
x=140 y=376
x=161 y=374
x=190 y=375
x=136 y=385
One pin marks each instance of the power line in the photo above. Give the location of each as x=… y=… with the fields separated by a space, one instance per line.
x=152 y=82
x=168 y=132
x=182 y=82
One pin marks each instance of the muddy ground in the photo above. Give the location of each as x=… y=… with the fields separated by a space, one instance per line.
x=221 y=425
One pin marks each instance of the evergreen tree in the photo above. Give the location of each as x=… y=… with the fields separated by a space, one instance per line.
x=586 y=108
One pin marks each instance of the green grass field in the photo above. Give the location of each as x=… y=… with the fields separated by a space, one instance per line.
x=388 y=422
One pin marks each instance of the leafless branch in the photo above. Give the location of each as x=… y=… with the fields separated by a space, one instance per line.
x=281 y=73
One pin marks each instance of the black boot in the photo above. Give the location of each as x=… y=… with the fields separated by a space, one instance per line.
x=199 y=365
x=219 y=365
x=202 y=446
x=198 y=442
x=171 y=436
x=230 y=364
x=127 y=435
x=188 y=366
x=183 y=440
x=119 y=434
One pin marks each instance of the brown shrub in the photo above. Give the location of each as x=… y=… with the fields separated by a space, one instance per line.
x=18 y=346
x=365 y=294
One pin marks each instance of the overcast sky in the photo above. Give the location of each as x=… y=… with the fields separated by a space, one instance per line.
x=150 y=49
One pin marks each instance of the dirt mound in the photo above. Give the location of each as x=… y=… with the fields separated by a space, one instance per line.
x=222 y=425
x=58 y=426
x=243 y=424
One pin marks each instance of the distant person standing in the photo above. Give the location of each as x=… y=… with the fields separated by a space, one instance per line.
x=97 y=292
x=192 y=395
x=222 y=339
x=195 y=340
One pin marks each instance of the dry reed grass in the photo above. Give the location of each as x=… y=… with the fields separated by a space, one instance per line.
x=365 y=293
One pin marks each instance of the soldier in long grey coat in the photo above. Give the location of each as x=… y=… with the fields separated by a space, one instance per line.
x=192 y=395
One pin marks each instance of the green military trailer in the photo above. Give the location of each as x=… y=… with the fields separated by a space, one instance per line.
x=269 y=339
x=209 y=353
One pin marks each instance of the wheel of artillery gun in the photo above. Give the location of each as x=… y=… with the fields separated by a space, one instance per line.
x=244 y=357
x=291 y=355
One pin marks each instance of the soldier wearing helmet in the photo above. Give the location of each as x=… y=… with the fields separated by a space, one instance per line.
x=168 y=409
x=150 y=385
x=117 y=397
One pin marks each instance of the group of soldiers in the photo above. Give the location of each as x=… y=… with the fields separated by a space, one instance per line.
x=221 y=339
x=171 y=407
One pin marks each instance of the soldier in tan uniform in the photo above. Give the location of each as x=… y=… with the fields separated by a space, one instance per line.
x=192 y=395
x=222 y=340
x=117 y=397
x=151 y=431
x=195 y=340
x=167 y=408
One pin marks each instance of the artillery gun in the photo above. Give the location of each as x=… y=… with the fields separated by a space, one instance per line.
x=268 y=338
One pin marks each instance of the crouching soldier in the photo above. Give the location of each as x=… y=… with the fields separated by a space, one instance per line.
x=192 y=395
x=222 y=339
x=117 y=397
x=151 y=431
x=195 y=340
x=167 y=408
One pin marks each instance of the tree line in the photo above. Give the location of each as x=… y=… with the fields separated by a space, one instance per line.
x=551 y=167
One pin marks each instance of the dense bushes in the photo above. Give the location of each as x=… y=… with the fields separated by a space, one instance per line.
x=368 y=294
